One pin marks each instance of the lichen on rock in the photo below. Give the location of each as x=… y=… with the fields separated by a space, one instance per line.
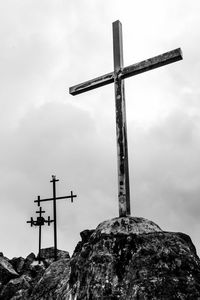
x=132 y=258
x=127 y=225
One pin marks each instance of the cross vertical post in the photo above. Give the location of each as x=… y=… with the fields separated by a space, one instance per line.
x=39 y=253
x=121 y=131
x=40 y=222
x=54 y=215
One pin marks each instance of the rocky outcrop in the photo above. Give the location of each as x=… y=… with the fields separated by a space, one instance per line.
x=132 y=258
x=19 y=276
x=55 y=282
x=7 y=271
x=47 y=255
x=16 y=287
x=124 y=258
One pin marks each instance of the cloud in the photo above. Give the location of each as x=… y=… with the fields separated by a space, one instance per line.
x=165 y=172
x=57 y=138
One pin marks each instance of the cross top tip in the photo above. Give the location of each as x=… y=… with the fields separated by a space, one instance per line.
x=117 y=21
x=54 y=178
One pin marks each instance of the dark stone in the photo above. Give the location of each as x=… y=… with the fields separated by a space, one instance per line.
x=35 y=272
x=21 y=295
x=30 y=258
x=53 y=283
x=7 y=271
x=13 y=286
x=47 y=255
x=28 y=264
x=21 y=287
x=18 y=264
x=85 y=235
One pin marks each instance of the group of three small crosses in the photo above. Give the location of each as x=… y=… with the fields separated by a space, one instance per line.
x=117 y=77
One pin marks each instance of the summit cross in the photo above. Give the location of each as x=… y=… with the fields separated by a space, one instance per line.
x=117 y=77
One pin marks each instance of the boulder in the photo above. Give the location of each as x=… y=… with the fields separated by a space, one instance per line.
x=47 y=255
x=14 y=285
x=132 y=258
x=19 y=285
x=54 y=283
x=7 y=271
x=18 y=264
x=30 y=258
x=85 y=235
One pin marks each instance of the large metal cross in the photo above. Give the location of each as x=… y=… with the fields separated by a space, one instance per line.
x=117 y=76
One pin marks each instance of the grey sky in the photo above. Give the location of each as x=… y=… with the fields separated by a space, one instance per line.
x=48 y=46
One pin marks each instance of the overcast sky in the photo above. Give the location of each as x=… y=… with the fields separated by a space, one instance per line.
x=46 y=47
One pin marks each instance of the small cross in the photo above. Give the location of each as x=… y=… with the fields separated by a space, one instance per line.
x=54 y=180
x=40 y=222
x=117 y=77
x=40 y=219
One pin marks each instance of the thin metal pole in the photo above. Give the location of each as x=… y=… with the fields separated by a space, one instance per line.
x=39 y=244
x=54 y=216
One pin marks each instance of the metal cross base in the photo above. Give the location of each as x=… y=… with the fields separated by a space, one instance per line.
x=40 y=221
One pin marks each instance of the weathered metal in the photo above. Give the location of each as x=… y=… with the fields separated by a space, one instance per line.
x=121 y=131
x=54 y=199
x=117 y=76
x=132 y=70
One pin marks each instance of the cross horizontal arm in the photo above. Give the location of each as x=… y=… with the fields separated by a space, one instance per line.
x=152 y=63
x=92 y=84
x=143 y=66
x=57 y=198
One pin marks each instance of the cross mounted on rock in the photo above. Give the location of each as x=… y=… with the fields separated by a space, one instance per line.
x=54 y=199
x=40 y=221
x=117 y=77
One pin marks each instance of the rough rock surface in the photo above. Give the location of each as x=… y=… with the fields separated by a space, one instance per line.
x=47 y=255
x=54 y=283
x=19 y=276
x=7 y=271
x=134 y=262
x=127 y=225
x=124 y=258
x=15 y=285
